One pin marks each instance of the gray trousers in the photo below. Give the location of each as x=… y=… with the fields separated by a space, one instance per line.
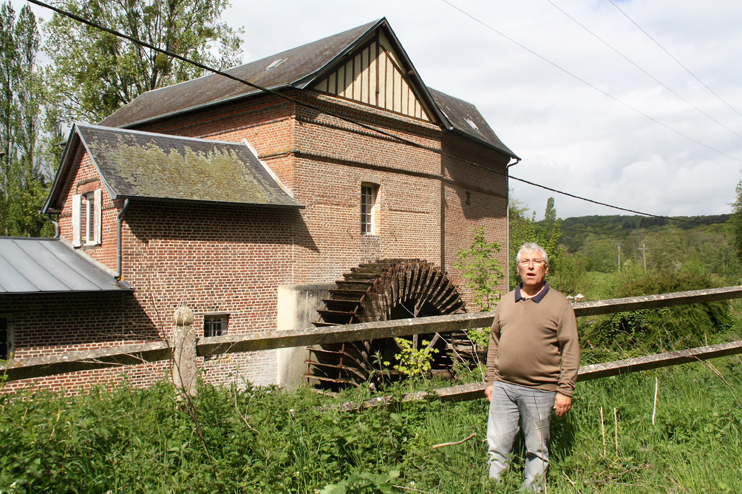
x=510 y=404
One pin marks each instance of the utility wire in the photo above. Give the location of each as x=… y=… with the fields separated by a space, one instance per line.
x=336 y=115
x=590 y=85
x=671 y=56
x=637 y=66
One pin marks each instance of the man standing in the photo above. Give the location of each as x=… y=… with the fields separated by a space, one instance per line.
x=532 y=364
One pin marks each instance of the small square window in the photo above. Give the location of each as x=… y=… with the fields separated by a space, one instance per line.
x=215 y=325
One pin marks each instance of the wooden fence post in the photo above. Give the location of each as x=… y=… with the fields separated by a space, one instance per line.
x=184 y=353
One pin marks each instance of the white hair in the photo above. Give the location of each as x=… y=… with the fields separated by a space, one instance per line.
x=532 y=246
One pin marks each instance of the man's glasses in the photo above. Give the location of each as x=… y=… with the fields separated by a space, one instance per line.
x=536 y=262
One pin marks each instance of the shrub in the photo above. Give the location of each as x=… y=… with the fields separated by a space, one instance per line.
x=658 y=330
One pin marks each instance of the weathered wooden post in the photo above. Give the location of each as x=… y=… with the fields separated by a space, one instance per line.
x=184 y=353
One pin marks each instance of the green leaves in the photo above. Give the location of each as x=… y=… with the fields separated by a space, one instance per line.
x=414 y=361
x=95 y=73
x=482 y=269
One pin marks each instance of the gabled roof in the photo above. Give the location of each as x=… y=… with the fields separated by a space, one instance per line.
x=48 y=265
x=135 y=164
x=301 y=68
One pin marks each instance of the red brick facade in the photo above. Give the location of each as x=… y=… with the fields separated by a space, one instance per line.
x=232 y=259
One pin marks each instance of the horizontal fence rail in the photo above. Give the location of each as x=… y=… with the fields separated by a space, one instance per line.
x=474 y=391
x=157 y=351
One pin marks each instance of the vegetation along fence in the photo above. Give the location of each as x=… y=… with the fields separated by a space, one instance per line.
x=186 y=349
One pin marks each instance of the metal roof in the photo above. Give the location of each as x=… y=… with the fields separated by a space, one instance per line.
x=48 y=265
x=159 y=166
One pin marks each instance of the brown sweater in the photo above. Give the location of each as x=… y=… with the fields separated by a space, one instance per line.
x=534 y=343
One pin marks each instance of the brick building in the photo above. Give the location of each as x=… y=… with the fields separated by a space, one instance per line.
x=218 y=195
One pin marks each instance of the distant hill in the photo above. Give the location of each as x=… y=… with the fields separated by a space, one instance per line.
x=667 y=242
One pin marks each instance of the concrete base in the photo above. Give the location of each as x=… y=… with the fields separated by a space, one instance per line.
x=297 y=309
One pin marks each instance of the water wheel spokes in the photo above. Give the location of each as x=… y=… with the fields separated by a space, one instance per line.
x=381 y=291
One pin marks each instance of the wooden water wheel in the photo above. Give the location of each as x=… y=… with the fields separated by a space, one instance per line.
x=381 y=291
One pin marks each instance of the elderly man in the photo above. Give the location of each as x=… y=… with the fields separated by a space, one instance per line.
x=532 y=364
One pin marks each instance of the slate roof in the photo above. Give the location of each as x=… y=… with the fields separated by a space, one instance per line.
x=465 y=117
x=135 y=164
x=303 y=66
x=301 y=62
x=48 y=265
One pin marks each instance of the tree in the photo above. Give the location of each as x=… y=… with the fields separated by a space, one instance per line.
x=23 y=174
x=482 y=270
x=524 y=229
x=95 y=73
x=737 y=221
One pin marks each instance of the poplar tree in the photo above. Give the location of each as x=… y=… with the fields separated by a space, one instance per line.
x=95 y=73
x=23 y=173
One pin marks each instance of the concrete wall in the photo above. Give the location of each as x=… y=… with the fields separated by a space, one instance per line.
x=297 y=309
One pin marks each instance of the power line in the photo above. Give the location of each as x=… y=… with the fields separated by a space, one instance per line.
x=671 y=56
x=336 y=115
x=638 y=67
x=590 y=85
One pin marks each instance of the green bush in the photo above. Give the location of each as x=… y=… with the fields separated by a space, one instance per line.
x=658 y=330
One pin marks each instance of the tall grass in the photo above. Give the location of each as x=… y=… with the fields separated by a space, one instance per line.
x=266 y=440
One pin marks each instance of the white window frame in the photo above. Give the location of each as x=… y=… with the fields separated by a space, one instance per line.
x=91 y=202
x=369 y=200
x=215 y=324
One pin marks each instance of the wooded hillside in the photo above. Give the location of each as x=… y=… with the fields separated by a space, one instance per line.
x=667 y=243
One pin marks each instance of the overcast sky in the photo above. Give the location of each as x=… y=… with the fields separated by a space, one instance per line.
x=569 y=135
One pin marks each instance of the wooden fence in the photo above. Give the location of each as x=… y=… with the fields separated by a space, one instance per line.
x=185 y=356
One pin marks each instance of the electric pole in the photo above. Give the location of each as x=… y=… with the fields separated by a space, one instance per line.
x=644 y=255
x=619 y=257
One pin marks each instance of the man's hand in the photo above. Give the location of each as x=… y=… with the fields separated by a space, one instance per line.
x=488 y=392
x=562 y=403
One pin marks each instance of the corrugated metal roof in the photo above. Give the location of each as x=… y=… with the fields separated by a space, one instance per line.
x=160 y=166
x=466 y=118
x=299 y=63
x=48 y=265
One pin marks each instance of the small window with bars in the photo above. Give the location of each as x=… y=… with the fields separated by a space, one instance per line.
x=368 y=207
x=215 y=325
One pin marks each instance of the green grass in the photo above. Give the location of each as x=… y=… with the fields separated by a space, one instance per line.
x=266 y=440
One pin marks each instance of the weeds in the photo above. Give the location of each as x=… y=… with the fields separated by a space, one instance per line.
x=267 y=440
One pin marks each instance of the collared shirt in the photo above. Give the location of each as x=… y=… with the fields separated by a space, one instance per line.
x=539 y=296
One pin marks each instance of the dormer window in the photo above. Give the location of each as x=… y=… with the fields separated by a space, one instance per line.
x=276 y=63
x=86 y=218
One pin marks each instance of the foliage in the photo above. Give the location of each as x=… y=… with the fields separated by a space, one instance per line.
x=125 y=439
x=23 y=172
x=572 y=277
x=737 y=221
x=412 y=361
x=709 y=240
x=364 y=482
x=657 y=330
x=547 y=235
x=482 y=270
x=95 y=73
